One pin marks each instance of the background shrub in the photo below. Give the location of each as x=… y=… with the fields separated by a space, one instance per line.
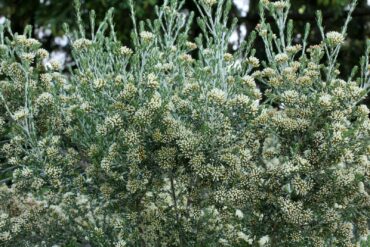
x=173 y=143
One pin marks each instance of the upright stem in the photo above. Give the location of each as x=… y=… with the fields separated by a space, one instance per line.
x=174 y=198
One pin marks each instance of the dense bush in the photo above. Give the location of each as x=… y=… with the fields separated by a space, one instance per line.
x=172 y=143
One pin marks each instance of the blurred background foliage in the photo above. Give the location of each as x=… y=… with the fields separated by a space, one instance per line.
x=47 y=16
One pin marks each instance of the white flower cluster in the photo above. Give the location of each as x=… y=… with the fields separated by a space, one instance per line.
x=45 y=99
x=81 y=44
x=209 y=2
x=125 y=51
x=2 y=123
x=254 y=62
x=334 y=38
x=147 y=37
x=280 y=5
x=281 y=58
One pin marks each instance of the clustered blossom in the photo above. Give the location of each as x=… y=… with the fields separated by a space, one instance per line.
x=42 y=53
x=125 y=51
x=81 y=44
x=20 y=114
x=2 y=123
x=334 y=38
x=147 y=36
x=45 y=99
x=177 y=143
x=280 y=5
x=210 y=2
x=254 y=62
x=281 y=58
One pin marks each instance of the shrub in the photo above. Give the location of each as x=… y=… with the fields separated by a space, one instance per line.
x=173 y=142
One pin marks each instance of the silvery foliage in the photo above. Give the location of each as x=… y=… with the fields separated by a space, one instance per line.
x=172 y=142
